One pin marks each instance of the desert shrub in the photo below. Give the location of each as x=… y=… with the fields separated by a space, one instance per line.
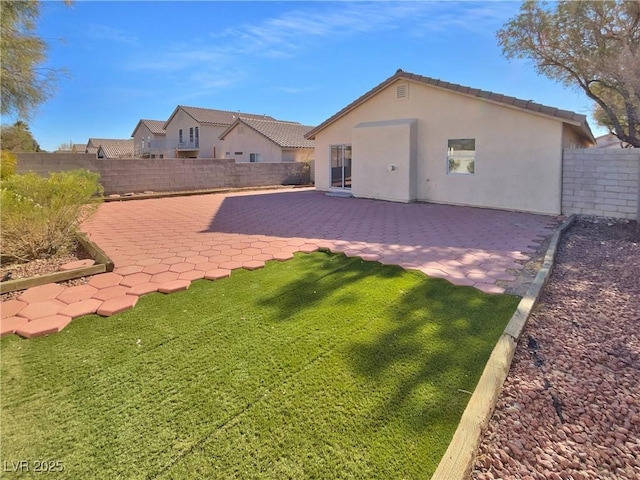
x=8 y=164
x=40 y=216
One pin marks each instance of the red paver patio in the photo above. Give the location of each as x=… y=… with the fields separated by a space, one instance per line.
x=164 y=244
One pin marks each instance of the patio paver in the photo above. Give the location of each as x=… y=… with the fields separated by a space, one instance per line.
x=164 y=244
x=83 y=307
x=9 y=325
x=43 y=326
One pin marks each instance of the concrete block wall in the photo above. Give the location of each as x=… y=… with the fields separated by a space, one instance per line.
x=45 y=163
x=604 y=182
x=134 y=175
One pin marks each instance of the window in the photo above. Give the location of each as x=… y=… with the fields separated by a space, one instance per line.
x=197 y=136
x=237 y=153
x=461 y=156
x=180 y=135
x=254 y=157
x=191 y=135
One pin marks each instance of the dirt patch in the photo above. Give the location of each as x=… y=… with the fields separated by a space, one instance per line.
x=570 y=406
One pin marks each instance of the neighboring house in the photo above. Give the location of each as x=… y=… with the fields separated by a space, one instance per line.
x=609 y=140
x=149 y=139
x=260 y=140
x=75 y=148
x=111 y=148
x=194 y=132
x=414 y=138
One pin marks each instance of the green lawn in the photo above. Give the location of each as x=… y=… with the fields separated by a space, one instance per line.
x=320 y=367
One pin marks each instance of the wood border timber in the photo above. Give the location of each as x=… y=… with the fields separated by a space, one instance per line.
x=103 y=264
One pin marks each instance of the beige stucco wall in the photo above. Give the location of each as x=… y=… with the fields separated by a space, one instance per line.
x=142 y=132
x=209 y=138
x=158 y=144
x=246 y=140
x=386 y=169
x=298 y=155
x=242 y=140
x=572 y=139
x=518 y=154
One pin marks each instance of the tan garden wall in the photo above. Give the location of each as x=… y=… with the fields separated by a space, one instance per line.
x=166 y=174
x=604 y=182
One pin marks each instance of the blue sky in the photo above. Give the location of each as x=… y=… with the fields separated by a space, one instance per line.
x=300 y=61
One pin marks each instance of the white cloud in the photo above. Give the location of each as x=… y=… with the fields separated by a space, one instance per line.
x=298 y=31
x=110 y=34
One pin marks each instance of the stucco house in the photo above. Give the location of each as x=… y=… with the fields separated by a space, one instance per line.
x=110 y=147
x=149 y=138
x=263 y=140
x=73 y=148
x=415 y=138
x=194 y=132
x=609 y=140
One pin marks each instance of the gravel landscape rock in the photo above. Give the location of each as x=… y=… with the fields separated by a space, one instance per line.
x=42 y=266
x=570 y=406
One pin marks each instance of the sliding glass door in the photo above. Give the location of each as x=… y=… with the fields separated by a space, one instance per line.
x=341 y=166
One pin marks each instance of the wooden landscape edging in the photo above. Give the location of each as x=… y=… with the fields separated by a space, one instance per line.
x=103 y=264
x=457 y=462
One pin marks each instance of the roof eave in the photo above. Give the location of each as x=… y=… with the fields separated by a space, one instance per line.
x=356 y=103
x=133 y=134
x=469 y=92
x=229 y=128
x=179 y=107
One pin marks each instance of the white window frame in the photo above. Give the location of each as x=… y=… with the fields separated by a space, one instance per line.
x=461 y=156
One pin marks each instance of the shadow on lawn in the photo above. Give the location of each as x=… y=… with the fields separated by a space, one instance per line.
x=325 y=275
x=433 y=352
x=425 y=349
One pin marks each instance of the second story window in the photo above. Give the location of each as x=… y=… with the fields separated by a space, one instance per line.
x=197 y=136
x=180 y=135
x=191 y=135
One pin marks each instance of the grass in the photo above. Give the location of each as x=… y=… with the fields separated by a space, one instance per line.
x=320 y=367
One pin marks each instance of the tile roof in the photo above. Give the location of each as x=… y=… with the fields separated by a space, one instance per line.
x=112 y=148
x=527 y=105
x=284 y=134
x=155 y=126
x=74 y=148
x=214 y=117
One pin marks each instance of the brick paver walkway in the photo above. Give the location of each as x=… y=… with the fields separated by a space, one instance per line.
x=164 y=244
